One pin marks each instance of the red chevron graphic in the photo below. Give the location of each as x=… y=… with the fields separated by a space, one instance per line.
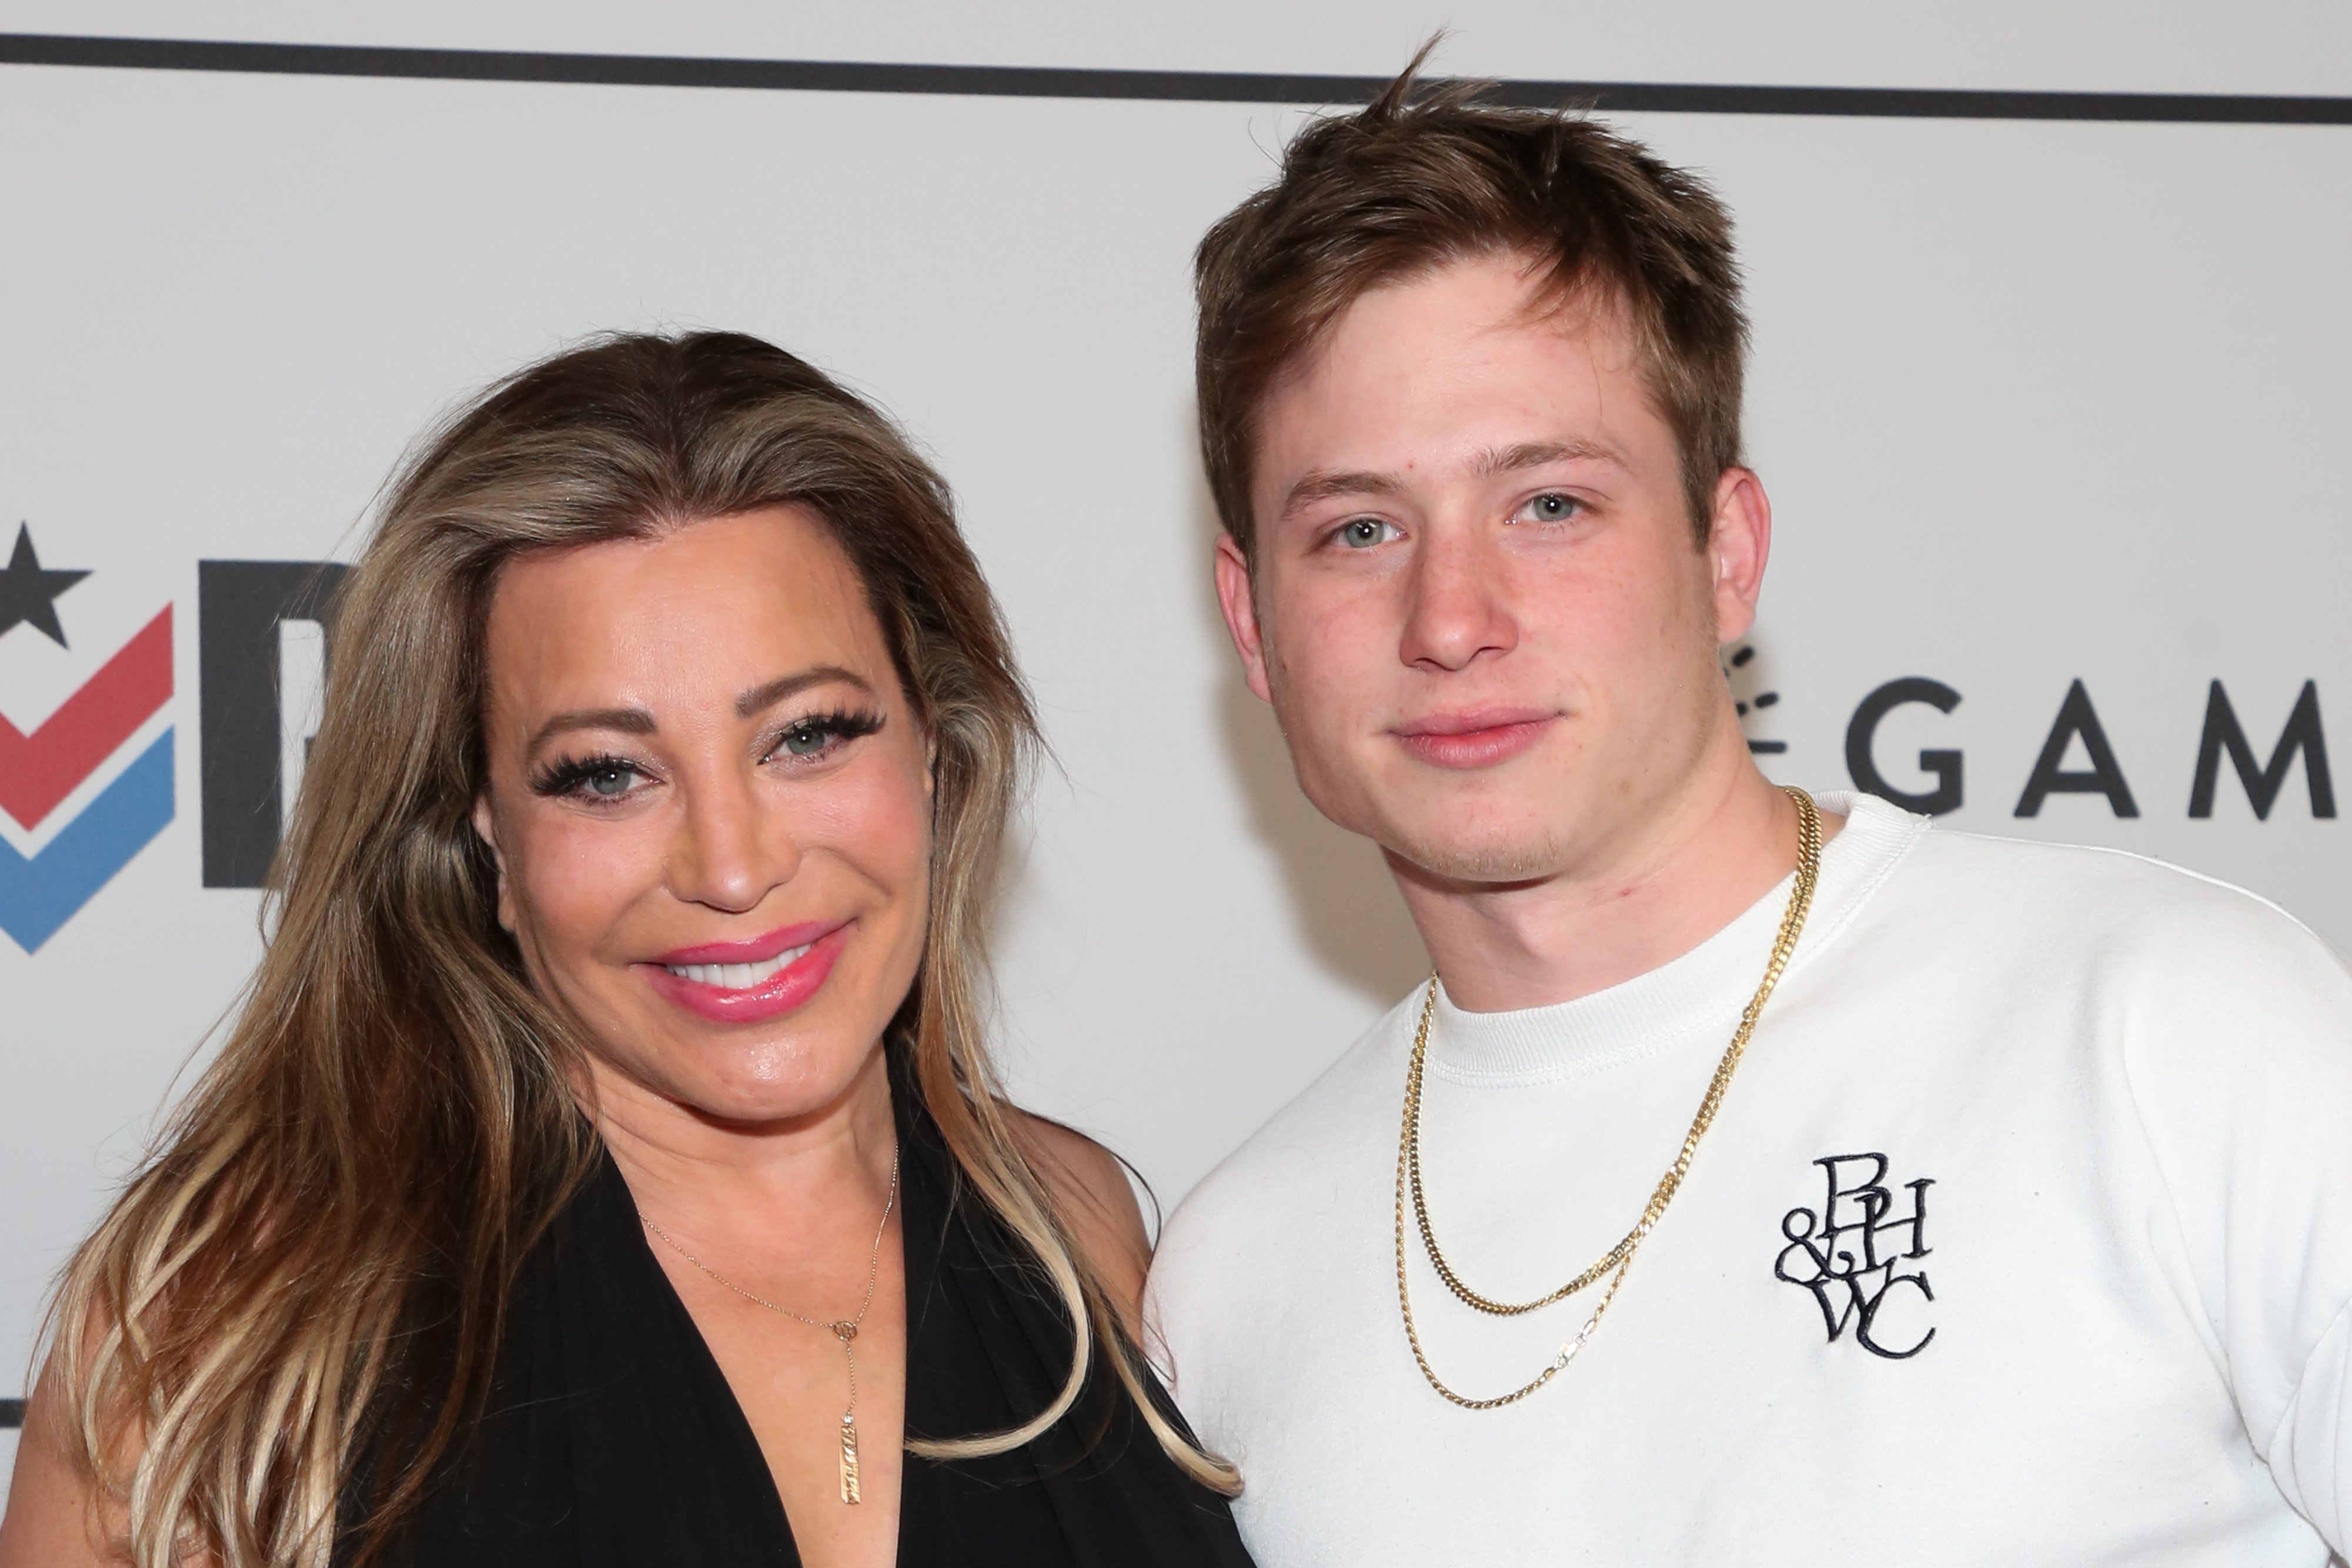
x=39 y=770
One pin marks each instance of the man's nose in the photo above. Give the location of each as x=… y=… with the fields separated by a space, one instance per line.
x=1457 y=606
x=730 y=851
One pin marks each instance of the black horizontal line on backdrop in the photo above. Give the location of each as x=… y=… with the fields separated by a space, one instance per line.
x=12 y=1414
x=1173 y=87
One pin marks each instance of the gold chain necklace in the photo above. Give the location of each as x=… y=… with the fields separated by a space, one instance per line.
x=1618 y=1259
x=843 y=1329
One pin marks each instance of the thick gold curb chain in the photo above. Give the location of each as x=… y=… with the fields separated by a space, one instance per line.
x=1618 y=1259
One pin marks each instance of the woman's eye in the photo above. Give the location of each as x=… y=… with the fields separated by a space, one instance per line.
x=610 y=782
x=1362 y=533
x=1551 y=507
x=823 y=735
x=601 y=779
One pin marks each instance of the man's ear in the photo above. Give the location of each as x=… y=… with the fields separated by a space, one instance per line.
x=485 y=829
x=1737 y=548
x=1237 y=598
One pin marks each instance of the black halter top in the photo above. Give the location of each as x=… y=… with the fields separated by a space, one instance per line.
x=612 y=1440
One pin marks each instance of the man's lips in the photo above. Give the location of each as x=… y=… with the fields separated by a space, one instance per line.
x=1474 y=737
x=746 y=982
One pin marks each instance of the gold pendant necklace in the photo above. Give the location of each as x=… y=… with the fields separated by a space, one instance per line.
x=843 y=1329
x=1618 y=1259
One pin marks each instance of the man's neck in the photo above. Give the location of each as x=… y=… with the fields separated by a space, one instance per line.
x=1682 y=874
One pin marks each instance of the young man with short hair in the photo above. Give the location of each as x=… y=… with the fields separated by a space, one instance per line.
x=1919 y=1197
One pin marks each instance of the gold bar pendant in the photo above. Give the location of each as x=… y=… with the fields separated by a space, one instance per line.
x=849 y=1458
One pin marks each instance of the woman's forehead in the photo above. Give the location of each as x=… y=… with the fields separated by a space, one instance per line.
x=701 y=608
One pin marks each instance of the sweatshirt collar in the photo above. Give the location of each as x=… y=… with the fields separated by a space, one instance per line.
x=1704 y=988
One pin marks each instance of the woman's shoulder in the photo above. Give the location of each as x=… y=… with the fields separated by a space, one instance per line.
x=1091 y=1193
x=60 y=1511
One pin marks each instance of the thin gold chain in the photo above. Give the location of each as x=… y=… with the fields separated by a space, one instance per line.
x=1619 y=1257
x=843 y=1329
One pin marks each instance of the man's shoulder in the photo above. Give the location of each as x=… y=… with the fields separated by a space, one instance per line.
x=1298 y=1162
x=2119 y=911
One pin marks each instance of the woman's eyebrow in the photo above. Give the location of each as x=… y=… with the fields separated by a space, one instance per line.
x=760 y=698
x=627 y=720
x=637 y=721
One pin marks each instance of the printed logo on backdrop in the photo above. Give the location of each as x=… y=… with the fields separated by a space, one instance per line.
x=89 y=787
x=1936 y=781
x=75 y=853
x=2222 y=738
x=1754 y=702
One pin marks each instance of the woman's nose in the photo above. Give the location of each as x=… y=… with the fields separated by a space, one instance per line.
x=730 y=851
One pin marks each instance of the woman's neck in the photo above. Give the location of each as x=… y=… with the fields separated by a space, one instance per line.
x=693 y=1172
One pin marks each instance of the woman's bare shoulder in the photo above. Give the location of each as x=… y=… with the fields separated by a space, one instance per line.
x=56 y=1517
x=1089 y=1187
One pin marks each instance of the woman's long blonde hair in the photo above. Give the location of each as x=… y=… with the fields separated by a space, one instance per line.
x=307 y=1281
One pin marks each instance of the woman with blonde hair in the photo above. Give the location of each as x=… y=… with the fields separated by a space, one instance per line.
x=606 y=1166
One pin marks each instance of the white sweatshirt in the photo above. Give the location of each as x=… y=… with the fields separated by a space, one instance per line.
x=2024 y=1236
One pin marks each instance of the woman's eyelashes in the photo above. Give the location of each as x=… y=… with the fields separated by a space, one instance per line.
x=593 y=780
x=606 y=779
x=819 y=736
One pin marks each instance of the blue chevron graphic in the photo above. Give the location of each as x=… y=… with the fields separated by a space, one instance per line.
x=39 y=895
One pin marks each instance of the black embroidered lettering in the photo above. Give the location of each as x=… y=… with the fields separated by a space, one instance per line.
x=1850 y=1252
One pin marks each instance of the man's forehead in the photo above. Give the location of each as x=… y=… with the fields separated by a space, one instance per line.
x=1421 y=380
x=1473 y=397
x=1441 y=338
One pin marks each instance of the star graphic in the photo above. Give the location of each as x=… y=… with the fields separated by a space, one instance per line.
x=30 y=594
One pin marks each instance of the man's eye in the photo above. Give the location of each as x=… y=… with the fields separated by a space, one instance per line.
x=1362 y=533
x=1551 y=507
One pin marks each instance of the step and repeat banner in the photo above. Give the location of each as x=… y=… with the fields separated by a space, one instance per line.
x=2053 y=411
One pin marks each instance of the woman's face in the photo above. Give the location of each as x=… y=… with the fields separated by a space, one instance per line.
x=710 y=804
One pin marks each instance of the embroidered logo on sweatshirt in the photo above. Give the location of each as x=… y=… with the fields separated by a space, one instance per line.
x=1860 y=1258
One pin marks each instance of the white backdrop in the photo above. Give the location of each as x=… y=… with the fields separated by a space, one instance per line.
x=2038 y=403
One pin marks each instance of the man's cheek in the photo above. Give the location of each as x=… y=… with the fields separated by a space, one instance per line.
x=1321 y=647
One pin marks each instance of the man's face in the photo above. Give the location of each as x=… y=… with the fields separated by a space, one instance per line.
x=1479 y=607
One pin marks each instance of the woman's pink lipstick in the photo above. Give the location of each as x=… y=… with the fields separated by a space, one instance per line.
x=765 y=997
x=1475 y=737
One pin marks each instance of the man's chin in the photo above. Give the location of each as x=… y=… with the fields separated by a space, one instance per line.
x=1484 y=859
